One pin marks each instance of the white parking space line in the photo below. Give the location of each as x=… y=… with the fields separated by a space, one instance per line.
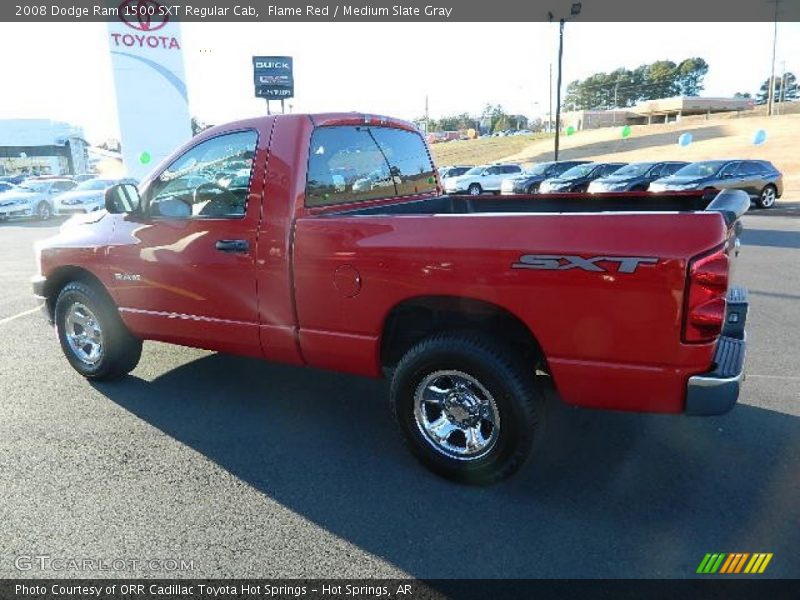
x=22 y=314
x=784 y=377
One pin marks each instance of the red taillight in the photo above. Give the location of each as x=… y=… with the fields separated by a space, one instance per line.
x=705 y=304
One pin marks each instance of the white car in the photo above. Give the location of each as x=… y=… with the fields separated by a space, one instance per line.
x=482 y=179
x=33 y=198
x=87 y=197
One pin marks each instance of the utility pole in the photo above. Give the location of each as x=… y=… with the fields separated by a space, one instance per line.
x=427 y=122
x=771 y=94
x=558 y=85
x=574 y=12
x=550 y=110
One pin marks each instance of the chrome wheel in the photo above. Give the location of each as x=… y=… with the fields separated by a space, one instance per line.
x=456 y=415
x=475 y=190
x=768 y=197
x=83 y=333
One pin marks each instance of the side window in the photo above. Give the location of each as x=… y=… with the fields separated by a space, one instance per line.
x=353 y=164
x=512 y=169
x=211 y=180
x=658 y=171
x=669 y=169
x=609 y=169
x=747 y=169
x=729 y=170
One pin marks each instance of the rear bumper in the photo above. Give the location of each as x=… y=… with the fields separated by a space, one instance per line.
x=716 y=392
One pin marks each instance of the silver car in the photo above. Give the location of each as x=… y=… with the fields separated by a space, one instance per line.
x=33 y=198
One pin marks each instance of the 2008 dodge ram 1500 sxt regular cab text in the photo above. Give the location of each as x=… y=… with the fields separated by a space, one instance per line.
x=326 y=241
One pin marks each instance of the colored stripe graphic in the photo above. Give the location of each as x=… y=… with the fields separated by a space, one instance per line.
x=727 y=565
x=734 y=562
x=711 y=563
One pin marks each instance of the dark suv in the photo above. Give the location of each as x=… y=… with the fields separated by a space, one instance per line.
x=635 y=177
x=528 y=182
x=759 y=178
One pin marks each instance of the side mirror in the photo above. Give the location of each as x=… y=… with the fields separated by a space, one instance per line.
x=123 y=198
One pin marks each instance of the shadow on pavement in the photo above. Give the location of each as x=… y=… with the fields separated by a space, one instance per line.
x=773 y=238
x=608 y=495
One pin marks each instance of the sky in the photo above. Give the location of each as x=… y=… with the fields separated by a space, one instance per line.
x=63 y=71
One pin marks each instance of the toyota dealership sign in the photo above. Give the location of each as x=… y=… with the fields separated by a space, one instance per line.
x=152 y=100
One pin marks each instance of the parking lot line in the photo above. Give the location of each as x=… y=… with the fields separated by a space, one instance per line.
x=22 y=314
x=785 y=377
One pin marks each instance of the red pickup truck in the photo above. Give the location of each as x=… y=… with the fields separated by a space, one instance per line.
x=326 y=240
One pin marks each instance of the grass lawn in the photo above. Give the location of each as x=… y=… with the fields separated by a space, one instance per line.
x=481 y=151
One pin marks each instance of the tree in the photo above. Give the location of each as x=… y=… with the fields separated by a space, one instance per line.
x=789 y=84
x=745 y=95
x=690 y=76
x=198 y=126
x=623 y=87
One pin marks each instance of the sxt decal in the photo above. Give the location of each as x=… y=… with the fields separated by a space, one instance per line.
x=562 y=262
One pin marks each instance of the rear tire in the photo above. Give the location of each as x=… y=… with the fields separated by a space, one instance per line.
x=533 y=189
x=475 y=190
x=467 y=406
x=767 y=197
x=93 y=337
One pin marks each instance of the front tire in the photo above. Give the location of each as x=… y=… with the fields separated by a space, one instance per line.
x=767 y=197
x=475 y=190
x=468 y=408
x=533 y=189
x=93 y=337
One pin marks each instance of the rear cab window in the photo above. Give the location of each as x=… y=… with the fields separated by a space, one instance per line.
x=359 y=163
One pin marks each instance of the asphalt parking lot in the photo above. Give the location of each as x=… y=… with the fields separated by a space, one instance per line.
x=253 y=469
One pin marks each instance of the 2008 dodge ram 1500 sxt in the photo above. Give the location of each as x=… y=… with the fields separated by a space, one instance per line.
x=325 y=240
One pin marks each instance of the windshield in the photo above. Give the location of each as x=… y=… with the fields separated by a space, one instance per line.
x=633 y=170
x=700 y=169
x=475 y=171
x=95 y=184
x=35 y=186
x=577 y=172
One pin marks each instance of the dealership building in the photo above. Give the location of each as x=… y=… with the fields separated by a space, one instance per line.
x=664 y=110
x=41 y=146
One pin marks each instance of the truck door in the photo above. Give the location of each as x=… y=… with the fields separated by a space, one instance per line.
x=184 y=270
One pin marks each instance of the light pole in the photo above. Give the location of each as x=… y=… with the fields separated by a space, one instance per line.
x=771 y=92
x=574 y=12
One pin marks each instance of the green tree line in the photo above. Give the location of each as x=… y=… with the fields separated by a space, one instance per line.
x=625 y=87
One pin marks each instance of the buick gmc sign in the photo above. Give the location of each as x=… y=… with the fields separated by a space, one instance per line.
x=273 y=77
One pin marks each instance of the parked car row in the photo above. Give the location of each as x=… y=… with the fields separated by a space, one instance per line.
x=46 y=196
x=759 y=178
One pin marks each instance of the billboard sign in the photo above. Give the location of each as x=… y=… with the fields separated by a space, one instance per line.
x=273 y=77
x=152 y=103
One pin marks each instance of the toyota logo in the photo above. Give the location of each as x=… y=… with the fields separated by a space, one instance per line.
x=143 y=15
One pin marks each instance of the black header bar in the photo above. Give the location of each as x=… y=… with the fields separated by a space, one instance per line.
x=250 y=11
